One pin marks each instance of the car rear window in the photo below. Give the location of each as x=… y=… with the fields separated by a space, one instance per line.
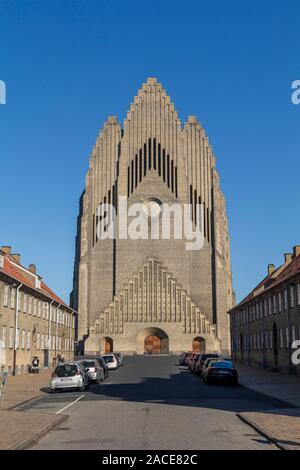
x=89 y=364
x=221 y=364
x=109 y=358
x=66 y=370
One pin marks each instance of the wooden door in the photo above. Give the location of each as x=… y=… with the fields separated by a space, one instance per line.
x=152 y=344
x=108 y=348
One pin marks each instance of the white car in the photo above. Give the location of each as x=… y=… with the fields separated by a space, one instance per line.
x=111 y=361
x=69 y=375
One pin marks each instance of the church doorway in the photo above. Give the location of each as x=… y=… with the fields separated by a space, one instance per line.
x=152 y=344
x=198 y=345
x=152 y=341
x=107 y=345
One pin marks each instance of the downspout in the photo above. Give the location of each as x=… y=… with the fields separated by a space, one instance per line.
x=16 y=328
x=49 y=326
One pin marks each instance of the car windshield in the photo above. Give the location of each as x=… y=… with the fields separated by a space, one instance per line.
x=221 y=364
x=66 y=370
x=109 y=358
x=89 y=364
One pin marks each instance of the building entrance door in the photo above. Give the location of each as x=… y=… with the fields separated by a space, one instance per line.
x=152 y=344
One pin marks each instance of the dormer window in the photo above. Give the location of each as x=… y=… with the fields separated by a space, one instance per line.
x=1 y=262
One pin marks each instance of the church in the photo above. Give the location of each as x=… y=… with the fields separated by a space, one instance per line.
x=158 y=294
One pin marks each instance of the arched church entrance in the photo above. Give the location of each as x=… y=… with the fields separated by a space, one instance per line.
x=198 y=345
x=106 y=345
x=152 y=341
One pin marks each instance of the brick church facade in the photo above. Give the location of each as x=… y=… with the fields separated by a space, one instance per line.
x=152 y=295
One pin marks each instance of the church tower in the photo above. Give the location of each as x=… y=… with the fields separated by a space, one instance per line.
x=152 y=294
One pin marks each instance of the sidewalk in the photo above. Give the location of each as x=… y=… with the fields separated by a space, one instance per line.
x=281 y=426
x=274 y=384
x=25 y=387
x=24 y=427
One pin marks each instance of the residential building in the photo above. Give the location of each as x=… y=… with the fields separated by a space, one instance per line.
x=266 y=323
x=34 y=321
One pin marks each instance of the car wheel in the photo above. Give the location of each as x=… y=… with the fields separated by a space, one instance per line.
x=82 y=388
x=52 y=390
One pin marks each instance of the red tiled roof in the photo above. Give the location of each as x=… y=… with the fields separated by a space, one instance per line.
x=16 y=271
x=292 y=268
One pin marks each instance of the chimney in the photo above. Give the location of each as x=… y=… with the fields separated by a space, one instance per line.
x=16 y=257
x=287 y=257
x=6 y=249
x=32 y=268
x=271 y=269
x=296 y=251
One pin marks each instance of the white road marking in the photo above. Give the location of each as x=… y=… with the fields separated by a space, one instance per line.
x=70 y=404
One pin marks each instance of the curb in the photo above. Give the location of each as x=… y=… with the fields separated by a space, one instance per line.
x=26 y=442
x=22 y=403
x=262 y=431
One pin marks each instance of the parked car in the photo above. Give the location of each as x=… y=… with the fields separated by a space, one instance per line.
x=111 y=361
x=120 y=358
x=187 y=358
x=94 y=370
x=220 y=371
x=182 y=359
x=202 y=359
x=69 y=375
x=103 y=364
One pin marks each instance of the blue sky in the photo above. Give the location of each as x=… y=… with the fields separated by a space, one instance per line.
x=69 y=64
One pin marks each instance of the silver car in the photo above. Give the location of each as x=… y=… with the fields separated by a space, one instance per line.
x=69 y=375
x=111 y=361
x=94 y=370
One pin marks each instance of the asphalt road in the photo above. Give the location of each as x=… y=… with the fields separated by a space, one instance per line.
x=151 y=403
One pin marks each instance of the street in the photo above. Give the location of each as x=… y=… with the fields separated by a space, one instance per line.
x=151 y=403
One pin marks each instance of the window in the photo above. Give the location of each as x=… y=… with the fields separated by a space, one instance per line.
x=292 y=298
x=23 y=338
x=280 y=338
x=17 y=338
x=13 y=297
x=279 y=302
x=34 y=307
x=274 y=305
x=285 y=299
x=24 y=303
x=39 y=308
x=266 y=307
x=11 y=338
x=271 y=339
x=38 y=341
x=53 y=342
x=293 y=333
x=270 y=305
x=3 y=337
x=20 y=301
x=266 y=340
x=28 y=340
x=29 y=304
x=298 y=293
x=5 y=295
x=287 y=338
x=43 y=341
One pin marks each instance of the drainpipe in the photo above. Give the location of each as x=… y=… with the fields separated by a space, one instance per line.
x=288 y=289
x=57 y=316
x=16 y=328
x=49 y=327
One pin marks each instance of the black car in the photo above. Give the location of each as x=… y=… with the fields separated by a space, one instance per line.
x=182 y=359
x=220 y=371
